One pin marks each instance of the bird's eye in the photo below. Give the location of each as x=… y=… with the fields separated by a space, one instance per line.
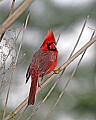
x=52 y=46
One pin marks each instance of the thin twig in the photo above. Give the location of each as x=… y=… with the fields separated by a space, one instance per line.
x=10 y=50
x=66 y=85
x=12 y=7
x=7 y=99
x=79 y=35
x=83 y=27
x=88 y=44
x=58 y=39
x=22 y=38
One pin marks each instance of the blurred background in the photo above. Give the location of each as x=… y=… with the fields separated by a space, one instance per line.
x=65 y=17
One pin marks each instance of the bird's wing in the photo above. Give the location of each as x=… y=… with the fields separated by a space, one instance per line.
x=46 y=62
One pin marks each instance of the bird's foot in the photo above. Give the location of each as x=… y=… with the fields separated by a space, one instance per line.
x=39 y=85
x=57 y=71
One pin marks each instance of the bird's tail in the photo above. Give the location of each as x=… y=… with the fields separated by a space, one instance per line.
x=32 y=94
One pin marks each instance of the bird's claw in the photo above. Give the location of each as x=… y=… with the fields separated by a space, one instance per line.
x=57 y=71
x=39 y=85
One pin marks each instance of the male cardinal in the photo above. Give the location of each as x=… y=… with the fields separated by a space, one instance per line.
x=43 y=62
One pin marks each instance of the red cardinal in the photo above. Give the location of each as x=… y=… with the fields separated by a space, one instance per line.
x=43 y=62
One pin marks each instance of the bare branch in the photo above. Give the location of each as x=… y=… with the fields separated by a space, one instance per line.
x=79 y=35
x=12 y=7
x=16 y=14
x=11 y=11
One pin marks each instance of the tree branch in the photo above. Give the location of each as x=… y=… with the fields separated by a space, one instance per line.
x=16 y=14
